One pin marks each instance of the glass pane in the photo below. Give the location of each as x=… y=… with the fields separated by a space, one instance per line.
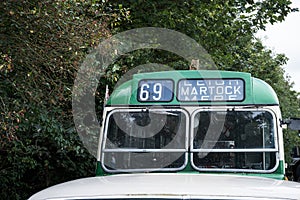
x=138 y=140
x=146 y=130
x=233 y=130
x=246 y=161
x=149 y=160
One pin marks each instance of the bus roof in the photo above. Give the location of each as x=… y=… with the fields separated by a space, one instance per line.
x=185 y=87
x=172 y=186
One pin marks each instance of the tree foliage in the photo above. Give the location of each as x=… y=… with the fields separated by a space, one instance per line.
x=44 y=42
x=227 y=30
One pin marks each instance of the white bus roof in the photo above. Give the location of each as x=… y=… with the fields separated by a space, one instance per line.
x=172 y=186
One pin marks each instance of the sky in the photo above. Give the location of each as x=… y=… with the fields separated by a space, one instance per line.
x=284 y=38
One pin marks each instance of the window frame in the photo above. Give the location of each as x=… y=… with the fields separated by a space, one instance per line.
x=229 y=150
x=184 y=150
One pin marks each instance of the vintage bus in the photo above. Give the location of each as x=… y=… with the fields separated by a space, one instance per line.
x=193 y=121
x=190 y=134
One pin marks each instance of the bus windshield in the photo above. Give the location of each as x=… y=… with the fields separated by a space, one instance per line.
x=145 y=139
x=216 y=140
x=240 y=140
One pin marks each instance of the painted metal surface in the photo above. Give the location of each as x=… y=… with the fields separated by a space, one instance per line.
x=255 y=91
x=177 y=186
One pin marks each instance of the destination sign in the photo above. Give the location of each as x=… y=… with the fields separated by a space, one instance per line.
x=151 y=90
x=211 y=90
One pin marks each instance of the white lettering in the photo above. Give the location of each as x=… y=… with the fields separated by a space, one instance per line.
x=237 y=90
x=233 y=82
x=144 y=92
x=185 y=92
x=186 y=83
x=228 y=90
x=218 y=98
x=194 y=91
x=220 y=90
x=194 y=98
x=200 y=83
x=203 y=90
x=232 y=97
x=204 y=98
x=210 y=90
x=219 y=82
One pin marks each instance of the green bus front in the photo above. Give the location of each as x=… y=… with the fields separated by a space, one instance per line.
x=192 y=122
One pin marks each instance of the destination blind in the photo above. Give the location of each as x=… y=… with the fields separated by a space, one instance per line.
x=155 y=90
x=211 y=90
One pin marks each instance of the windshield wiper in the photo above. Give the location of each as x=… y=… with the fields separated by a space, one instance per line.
x=163 y=112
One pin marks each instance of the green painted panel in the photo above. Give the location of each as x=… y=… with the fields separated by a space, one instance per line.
x=263 y=93
x=256 y=91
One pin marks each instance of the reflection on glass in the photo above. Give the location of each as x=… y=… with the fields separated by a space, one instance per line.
x=219 y=133
x=144 y=130
x=234 y=129
x=145 y=139
x=141 y=161
x=235 y=160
